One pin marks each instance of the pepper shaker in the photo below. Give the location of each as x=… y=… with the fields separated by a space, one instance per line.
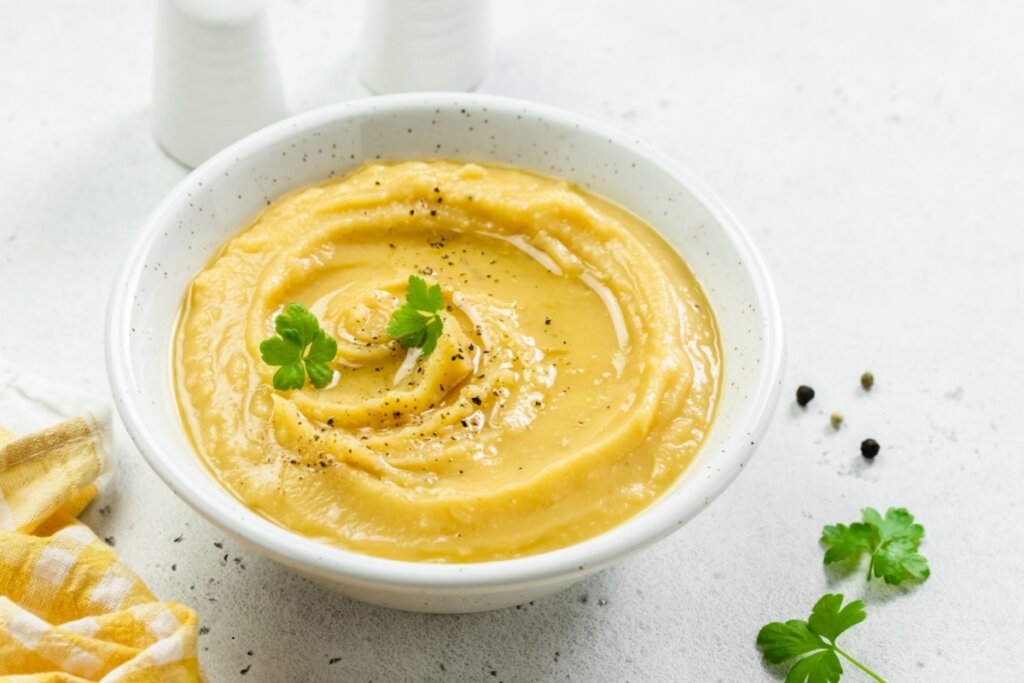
x=415 y=45
x=215 y=77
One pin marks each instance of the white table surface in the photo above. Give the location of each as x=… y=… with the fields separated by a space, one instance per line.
x=875 y=151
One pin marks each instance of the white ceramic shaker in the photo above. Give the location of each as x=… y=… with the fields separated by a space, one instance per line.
x=215 y=77
x=416 y=45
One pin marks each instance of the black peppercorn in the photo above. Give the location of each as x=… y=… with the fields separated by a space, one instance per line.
x=804 y=395
x=869 y=448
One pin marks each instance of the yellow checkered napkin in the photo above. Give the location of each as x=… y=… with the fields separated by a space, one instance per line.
x=69 y=610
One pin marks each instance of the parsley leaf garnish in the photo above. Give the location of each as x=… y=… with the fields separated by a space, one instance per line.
x=814 y=641
x=298 y=329
x=892 y=543
x=418 y=322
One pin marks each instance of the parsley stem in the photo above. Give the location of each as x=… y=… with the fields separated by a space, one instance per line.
x=857 y=664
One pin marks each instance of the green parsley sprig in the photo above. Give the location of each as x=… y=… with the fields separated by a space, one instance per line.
x=417 y=323
x=892 y=543
x=297 y=330
x=814 y=641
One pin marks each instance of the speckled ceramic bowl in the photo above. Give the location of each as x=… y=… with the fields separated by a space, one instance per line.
x=224 y=194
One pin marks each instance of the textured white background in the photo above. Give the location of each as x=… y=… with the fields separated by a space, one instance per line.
x=875 y=151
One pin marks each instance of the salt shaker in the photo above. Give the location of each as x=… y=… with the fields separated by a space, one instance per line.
x=414 y=45
x=215 y=77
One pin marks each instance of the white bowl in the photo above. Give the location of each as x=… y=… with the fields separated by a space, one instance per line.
x=221 y=197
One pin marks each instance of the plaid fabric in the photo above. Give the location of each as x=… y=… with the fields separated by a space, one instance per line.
x=70 y=611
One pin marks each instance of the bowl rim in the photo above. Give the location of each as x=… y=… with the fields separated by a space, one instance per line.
x=649 y=525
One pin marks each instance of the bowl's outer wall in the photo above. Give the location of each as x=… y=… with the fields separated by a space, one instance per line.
x=226 y=193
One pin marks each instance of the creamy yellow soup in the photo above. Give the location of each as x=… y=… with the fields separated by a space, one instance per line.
x=575 y=379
